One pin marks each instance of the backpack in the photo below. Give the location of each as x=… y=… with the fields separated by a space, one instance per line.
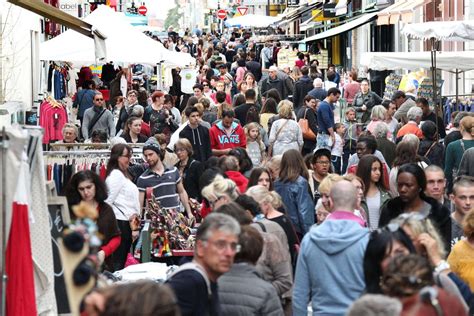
x=196 y=267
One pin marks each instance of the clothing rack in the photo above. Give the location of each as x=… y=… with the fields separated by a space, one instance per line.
x=96 y=145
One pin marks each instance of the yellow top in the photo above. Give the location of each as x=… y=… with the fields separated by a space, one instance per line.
x=461 y=261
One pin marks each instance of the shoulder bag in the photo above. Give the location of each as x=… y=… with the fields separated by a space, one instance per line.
x=307 y=131
x=270 y=147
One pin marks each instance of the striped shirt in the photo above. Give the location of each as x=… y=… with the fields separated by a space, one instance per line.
x=164 y=186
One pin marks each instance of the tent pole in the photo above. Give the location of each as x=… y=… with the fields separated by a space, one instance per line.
x=433 y=79
x=457 y=85
x=4 y=147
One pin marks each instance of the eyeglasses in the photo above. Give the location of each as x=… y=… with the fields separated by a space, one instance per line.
x=98 y=99
x=127 y=156
x=222 y=245
x=205 y=85
x=323 y=162
x=177 y=150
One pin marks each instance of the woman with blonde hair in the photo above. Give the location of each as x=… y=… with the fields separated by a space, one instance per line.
x=269 y=201
x=285 y=133
x=429 y=244
x=377 y=116
x=220 y=192
x=461 y=258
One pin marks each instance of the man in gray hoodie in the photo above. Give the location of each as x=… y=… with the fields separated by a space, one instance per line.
x=329 y=272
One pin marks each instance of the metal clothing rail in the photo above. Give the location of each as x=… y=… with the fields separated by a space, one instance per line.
x=104 y=152
x=98 y=145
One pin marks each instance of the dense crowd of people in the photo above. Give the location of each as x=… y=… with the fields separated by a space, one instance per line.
x=368 y=213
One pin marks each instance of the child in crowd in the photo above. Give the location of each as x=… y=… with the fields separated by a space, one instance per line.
x=351 y=134
x=337 y=149
x=255 y=146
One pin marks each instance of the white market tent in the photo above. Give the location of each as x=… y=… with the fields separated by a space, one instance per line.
x=252 y=20
x=448 y=61
x=123 y=44
x=442 y=30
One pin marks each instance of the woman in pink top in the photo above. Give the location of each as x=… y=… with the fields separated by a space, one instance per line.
x=351 y=88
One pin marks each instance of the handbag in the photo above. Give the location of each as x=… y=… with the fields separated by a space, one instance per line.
x=307 y=131
x=270 y=147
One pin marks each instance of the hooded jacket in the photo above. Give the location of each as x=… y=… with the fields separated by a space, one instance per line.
x=237 y=298
x=220 y=140
x=329 y=272
x=239 y=180
x=199 y=138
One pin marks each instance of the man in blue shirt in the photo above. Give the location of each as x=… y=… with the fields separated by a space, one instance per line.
x=326 y=137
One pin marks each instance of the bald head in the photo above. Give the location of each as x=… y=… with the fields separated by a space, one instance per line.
x=343 y=195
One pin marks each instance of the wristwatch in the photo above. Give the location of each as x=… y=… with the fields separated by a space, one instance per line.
x=442 y=265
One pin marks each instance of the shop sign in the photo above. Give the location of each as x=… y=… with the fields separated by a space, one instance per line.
x=71 y=7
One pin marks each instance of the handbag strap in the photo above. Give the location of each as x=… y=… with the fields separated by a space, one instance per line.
x=429 y=149
x=280 y=129
x=306 y=111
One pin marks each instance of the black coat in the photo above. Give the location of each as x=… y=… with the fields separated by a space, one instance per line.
x=191 y=174
x=302 y=87
x=370 y=100
x=433 y=151
x=439 y=216
x=277 y=84
x=200 y=140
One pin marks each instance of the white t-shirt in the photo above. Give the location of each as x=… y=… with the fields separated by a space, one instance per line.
x=188 y=80
x=338 y=146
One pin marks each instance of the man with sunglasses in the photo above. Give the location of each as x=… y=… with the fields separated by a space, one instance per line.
x=98 y=118
x=195 y=283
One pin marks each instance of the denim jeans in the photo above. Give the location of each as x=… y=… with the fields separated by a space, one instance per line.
x=323 y=141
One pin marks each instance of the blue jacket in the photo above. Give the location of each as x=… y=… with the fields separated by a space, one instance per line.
x=83 y=101
x=325 y=117
x=298 y=202
x=329 y=272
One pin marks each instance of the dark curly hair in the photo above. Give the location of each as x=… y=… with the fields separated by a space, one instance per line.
x=72 y=194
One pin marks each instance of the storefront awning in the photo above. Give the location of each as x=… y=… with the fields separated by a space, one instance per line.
x=366 y=18
x=402 y=10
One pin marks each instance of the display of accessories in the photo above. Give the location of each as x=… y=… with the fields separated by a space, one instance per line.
x=170 y=229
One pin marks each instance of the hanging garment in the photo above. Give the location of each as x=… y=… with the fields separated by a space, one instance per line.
x=20 y=295
x=40 y=231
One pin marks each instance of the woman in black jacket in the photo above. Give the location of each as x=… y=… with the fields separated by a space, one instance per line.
x=189 y=169
x=430 y=148
x=308 y=111
x=411 y=183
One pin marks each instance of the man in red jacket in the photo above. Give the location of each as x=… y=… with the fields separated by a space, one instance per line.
x=226 y=134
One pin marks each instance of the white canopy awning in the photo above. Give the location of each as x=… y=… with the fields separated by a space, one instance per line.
x=343 y=28
x=414 y=60
x=252 y=20
x=123 y=43
x=441 y=30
